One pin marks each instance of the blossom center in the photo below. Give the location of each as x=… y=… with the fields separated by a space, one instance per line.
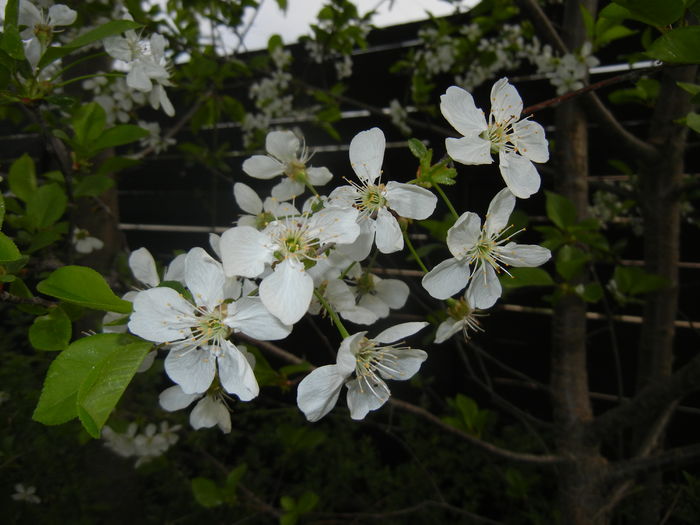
x=370 y=360
x=209 y=326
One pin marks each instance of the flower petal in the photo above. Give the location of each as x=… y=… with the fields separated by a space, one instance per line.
x=236 y=374
x=530 y=140
x=519 y=174
x=360 y=248
x=173 y=398
x=469 y=150
x=523 y=255
x=506 y=104
x=191 y=368
x=287 y=291
x=205 y=278
x=409 y=200
x=447 y=329
x=244 y=251
x=484 y=288
x=319 y=176
x=405 y=363
x=457 y=106
x=399 y=331
x=209 y=412
x=361 y=399
x=262 y=167
x=464 y=234
x=161 y=315
x=392 y=291
x=447 y=278
x=499 y=212
x=374 y=304
x=287 y=189
x=143 y=267
x=388 y=236
x=252 y=318
x=367 y=154
x=318 y=392
x=282 y=145
x=247 y=199
x=61 y=15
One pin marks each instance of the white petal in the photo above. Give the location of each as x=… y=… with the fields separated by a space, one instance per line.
x=359 y=250
x=33 y=51
x=318 y=392
x=447 y=329
x=214 y=242
x=247 y=199
x=409 y=200
x=374 y=304
x=388 y=236
x=506 y=104
x=287 y=189
x=176 y=270
x=116 y=47
x=346 y=359
x=287 y=292
x=236 y=374
x=337 y=225
x=343 y=196
x=367 y=154
x=161 y=315
x=529 y=138
x=469 y=150
x=499 y=211
x=209 y=412
x=29 y=15
x=519 y=174
x=244 y=251
x=143 y=267
x=359 y=315
x=447 y=278
x=61 y=15
x=399 y=331
x=319 y=176
x=205 y=278
x=252 y=318
x=457 y=106
x=392 y=291
x=192 y=369
x=173 y=398
x=339 y=295
x=523 y=255
x=464 y=234
x=484 y=288
x=282 y=145
x=147 y=362
x=138 y=79
x=262 y=167
x=405 y=363
x=361 y=400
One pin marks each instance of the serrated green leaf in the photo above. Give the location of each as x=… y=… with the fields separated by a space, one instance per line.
x=93 y=186
x=51 y=331
x=118 y=136
x=206 y=492
x=58 y=401
x=46 y=205
x=22 y=177
x=418 y=149
x=104 y=385
x=654 y=12
x=678 y=46
x=560 y=210
x=85 y=287
x=8 y=249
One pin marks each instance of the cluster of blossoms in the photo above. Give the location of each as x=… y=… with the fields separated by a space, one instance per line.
x=26 y=493
x=566 y=73
x=282 y=261
x=154 y=441
x=41 y=26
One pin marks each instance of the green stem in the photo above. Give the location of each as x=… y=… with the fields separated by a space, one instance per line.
x=336 y=320
x=345 y=272
x=73 y=64
x=447 y=201
x=413 y=251
x=85 y=77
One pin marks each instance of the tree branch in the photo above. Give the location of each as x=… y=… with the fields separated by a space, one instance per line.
x=673 y=458
x=7 y=297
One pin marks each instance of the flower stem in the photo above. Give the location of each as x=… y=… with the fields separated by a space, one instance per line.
x=336 y=320
x=75 y=63
x=85 y=77
x=413 y=251
x=447 y=201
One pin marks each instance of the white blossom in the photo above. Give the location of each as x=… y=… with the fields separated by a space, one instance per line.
x=210 y=410
x=40 y=27
x=27 y=493
x=517 y=142
x=84 y=243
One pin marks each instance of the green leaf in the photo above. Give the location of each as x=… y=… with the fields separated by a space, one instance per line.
x=657 y=13
x=692 y=120
x=11 y=13
x=206 y=492
x=307 y=502
x=678 y=46
x=418 y=149
x=104 y=385
x=46 y=206
x=114 y=164
x=526 y=277
x=111 y=28
x=591 y=293
x=22 y=178
x=93 y=186
x=2 y=209
x=58 y=402
x=48 y=236
x=632 y=280
x=88 y=122
x=570 y=261
x=118 y=136
x=85 y=287
x=51 y=331
x=11 y=40
x=560 y=210
x=8 y=249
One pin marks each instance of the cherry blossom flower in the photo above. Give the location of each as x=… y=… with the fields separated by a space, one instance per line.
x=210 y=410
x=376 y=201
x=260 y=213
x=460 y=318
x=371 y=361
x=198 y=333
x=470 y=244
x=518 y=142
x=84 y=243
x=40 y=28
x=27 y=493
x=286 y=156
x=289 y=245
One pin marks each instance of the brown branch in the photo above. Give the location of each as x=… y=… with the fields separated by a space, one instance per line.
x=533 y=459
x=669 y=459
x=7 y=297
